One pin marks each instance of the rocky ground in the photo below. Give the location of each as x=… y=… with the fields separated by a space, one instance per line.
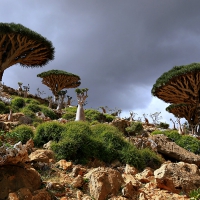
x=28 y=173
x=31 y=173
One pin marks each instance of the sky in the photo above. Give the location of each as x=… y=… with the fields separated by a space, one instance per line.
x=118 y=47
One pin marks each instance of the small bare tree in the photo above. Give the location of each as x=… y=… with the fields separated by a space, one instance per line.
x=156 y=117
x=39 y=93
x=132 y=116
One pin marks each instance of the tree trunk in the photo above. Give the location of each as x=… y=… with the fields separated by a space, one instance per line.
x=80 y=115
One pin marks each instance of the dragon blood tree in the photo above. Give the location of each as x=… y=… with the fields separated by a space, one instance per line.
x=58 y=80
x=180 y=85
x=19 y=44
x=187 y=111
x=81 y=97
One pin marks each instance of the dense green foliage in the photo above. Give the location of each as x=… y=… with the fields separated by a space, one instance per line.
x=109 y=117
x=3 y=108
x=195 y=194
x=33 y=107
x=31 y=101
x=48 y=112
x=22 y=133
x=18 y=29
x=48 y=131
x=69 y=116
x=18 y=102
x=76 y=143
x=185 y=141
x=93 y=115
x=56 y=72
x=28 y=112
x=173 y=73
x=80 y=142
x=163 y=125
x=135 y=128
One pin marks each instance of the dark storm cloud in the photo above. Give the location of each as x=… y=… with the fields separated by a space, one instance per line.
x=118 y=48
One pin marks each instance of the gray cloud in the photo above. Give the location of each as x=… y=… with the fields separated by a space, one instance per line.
x=118 y=48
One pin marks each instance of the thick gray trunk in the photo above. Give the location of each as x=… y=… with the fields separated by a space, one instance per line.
x=80 y=115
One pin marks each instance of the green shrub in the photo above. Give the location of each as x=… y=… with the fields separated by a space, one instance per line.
x=32 y=101
x=112 y=141
x=195 y=194
x=108 y=117
x=48 y=131
x=131 y=155
x=48 y=113
x=80 y=142
x=2 y=107
x=18 y=102
x=99 y=128
x=28 y=112
x=135 y=128
x=33 y=107
x=189 y=143
x=23 y=133
x=94 y=123
x=69 y=116
x=93 y=115
x=71 y=109
x=150 y=158
x=163 y=125
x=76 y=142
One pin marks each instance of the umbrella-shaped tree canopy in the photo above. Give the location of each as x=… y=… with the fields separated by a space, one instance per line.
x=187 y=111
x=181 y=84
x=58 y=80
x=19 y=44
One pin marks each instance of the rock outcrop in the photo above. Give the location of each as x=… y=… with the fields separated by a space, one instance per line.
x=170 y=149
x=178 y=177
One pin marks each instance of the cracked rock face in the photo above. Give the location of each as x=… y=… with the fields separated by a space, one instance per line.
x=177 y=177
x=13 y=177
x=169 y=148
x=13 y=154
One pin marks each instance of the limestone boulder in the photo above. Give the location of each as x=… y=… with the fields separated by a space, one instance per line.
x=144 y=176
x=170 y=149
x=13 y=154
x=63 y=164
x=104 y=183
x=42 y=155
x=14 y=177
x=178 y=177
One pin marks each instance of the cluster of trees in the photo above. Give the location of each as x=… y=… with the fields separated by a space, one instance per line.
x=180 y=87
x=18 y=44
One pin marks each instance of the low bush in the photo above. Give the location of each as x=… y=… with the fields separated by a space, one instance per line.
x=194 y=194
x=48 y=131
x=76 y=142
x=28 y=112
x=33 y=107
x=135 y=128
x=94 y=115
x=3 y=108
x=48 y=113
x=163 y=125
x=80 y=142
x=32 y=101
x=18 y=102
x=108 y=117
x=189 y=143
x=69 y=116
x=23 y=133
